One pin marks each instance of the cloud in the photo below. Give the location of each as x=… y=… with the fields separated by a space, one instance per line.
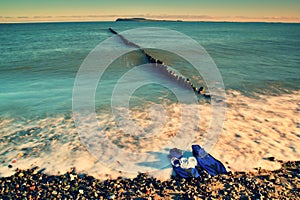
x=280 y=18
x=22 y=17
x=39 y=17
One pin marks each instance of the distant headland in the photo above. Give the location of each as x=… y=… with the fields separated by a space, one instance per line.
x=144 y=20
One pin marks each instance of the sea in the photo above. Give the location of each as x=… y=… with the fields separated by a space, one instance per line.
x=39 y=64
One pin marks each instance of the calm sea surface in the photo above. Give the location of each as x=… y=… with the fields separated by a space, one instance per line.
x=39 y=62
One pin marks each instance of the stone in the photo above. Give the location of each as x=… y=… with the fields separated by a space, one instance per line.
x=112 y=196
x=32 y=187
x=72 y=177
x=271 y=177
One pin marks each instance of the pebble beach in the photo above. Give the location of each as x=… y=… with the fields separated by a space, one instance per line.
x=262 y=184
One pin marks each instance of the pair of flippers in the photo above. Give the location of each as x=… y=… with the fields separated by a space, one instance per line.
x=189 y=167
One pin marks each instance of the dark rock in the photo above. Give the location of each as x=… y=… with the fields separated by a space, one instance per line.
x=270 y=158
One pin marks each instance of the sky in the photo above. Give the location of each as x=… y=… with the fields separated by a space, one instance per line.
x=187 y=10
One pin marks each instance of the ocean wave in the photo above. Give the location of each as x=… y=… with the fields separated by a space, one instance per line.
x=255 y=128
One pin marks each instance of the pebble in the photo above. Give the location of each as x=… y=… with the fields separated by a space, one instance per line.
x=20 y=155
x=271 y=177
x=72 y=177
x=32 y=187
x=111 y=196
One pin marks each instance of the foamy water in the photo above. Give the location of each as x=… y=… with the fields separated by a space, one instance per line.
x=254 y=129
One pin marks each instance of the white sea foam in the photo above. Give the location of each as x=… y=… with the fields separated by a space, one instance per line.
x=254 y=129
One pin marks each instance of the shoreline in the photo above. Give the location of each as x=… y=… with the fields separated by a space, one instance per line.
x=34 y=183
x=254 y=129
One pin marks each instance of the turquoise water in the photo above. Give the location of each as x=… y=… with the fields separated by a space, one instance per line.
x=39 y=62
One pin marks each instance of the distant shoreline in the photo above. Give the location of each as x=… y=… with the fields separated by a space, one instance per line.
x=144 y=20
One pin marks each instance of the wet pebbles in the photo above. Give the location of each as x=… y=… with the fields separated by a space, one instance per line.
x=34 y=184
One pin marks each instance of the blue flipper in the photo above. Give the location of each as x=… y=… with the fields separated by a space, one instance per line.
x=208 y=162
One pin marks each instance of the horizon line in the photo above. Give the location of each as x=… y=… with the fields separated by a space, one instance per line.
x=158 y=20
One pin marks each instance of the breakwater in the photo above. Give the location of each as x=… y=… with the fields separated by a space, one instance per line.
x=163 y=68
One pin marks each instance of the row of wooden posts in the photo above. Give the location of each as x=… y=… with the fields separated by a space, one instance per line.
x=158 y=64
